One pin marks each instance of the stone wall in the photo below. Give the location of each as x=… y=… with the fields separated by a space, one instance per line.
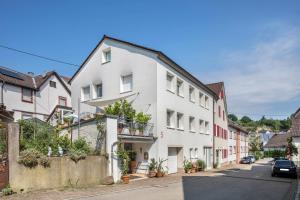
x=63 y=171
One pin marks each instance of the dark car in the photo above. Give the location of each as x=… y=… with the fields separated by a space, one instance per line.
x=286 y=167
x=246 y=160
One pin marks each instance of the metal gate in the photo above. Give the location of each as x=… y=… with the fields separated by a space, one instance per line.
x=3 y=156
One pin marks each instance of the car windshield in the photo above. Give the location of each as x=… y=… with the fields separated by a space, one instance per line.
x=283 y=163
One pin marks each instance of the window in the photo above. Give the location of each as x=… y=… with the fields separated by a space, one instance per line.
x=192 y=94
x=180 y=121
x=206 y=102
x=230 y=135
x=219 y=111
x=62 y=101
x=170 y=118
x=196 y=153
x=201 y=99
x=52 y=84
x=230 y=150
x=27 y=95
x=206 y=127
x=223 y=115
x=106 y=56
x=191 y=153
x=192 y=124
x=98 y=90
x=234 y=150
x=126 y=83
x=26 y=116
x=179 y=88
x=201 y=124
x=86 y=93
x=170 y=79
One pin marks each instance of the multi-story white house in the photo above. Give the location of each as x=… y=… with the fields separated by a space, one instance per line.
x=26 y=96
x=220 y=141
x=181 y=106
x=237 y=142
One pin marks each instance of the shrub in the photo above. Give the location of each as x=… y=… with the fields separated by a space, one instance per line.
x=45 y=161
x=7 y=191
x=187 y=165
x=64 y=142
x=29 y=158
x=76 y=155
x=152 y=165
x=200 y=164
x=81 y=145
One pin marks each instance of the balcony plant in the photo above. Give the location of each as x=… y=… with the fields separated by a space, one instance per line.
x=124 y=158
x=187 y=165
x=152 y=168
x=160 y=168
x=142 y=120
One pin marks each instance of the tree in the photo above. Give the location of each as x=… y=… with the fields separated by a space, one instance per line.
x=291 y=149
x=233 y=117
x=246 y=119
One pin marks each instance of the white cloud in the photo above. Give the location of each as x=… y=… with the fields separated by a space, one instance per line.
x=266 y=73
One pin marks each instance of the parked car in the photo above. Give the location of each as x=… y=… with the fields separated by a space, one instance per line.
x=287 y=167
x=246 y=160
x=278 y=158
x=252 y=158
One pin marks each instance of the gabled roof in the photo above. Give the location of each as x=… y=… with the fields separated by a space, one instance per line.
x=237 y=126
x=160 y=55
x=277 y=141
x=216 y=87
x=28 y=81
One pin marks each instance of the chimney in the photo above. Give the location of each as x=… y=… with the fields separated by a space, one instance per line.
x=30 y=74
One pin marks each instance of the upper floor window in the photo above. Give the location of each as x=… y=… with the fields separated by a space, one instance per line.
x=206 y=127
x=206 y=102
x=180 y=121
x=98 y=90
x=27 y=95
x=201 y=124
x=192 y=94
x=223 y=115
x=170 y=119
x=192 y=124
x=126 y=83
x=52 y=84
x=201 y=99
x=62 y=101
x=179 y=87
x=170 y=79
x=219 y=109
x=86 y=93
x=106 y=56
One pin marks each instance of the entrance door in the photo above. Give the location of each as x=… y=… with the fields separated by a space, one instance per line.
x=3 y=156
x=172 y=160
x=207 y=156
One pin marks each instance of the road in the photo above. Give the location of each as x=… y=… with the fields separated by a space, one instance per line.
x=233 y=184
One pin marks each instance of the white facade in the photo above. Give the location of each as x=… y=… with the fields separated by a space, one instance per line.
x=237 y=145
x=40 y=104
x=155 y=96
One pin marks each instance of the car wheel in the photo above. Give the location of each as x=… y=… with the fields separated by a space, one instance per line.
x=272 y=174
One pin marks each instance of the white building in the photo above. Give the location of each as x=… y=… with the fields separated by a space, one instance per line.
x=180 y=105
x=27 y=96
x=238 y=140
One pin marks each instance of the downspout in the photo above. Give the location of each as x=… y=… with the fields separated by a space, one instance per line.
x=2 y=88
x=214 y=156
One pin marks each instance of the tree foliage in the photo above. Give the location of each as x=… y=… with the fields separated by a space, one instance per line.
x=233 y=117
x=291 y=149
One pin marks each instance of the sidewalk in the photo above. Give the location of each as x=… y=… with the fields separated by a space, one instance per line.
x=76 y=193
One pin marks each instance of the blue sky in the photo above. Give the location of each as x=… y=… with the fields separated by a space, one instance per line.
x=253 y=46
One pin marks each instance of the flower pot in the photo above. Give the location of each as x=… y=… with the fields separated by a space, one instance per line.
x=125 y=179
x=159 y=174
x=152 y=174
x=193 y=170
x=133 y=166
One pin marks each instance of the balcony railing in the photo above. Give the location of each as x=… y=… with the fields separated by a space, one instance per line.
x=135 y=129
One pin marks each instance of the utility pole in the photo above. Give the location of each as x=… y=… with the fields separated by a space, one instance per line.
x=78 y=117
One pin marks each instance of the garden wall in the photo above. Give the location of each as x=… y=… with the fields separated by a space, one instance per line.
x=62 y=172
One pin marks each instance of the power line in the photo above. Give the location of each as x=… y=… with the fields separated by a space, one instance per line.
x=253 y=114
x=38 y=56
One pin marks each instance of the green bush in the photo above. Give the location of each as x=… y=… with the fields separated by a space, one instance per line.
x=187 y=165
x=7 y=191
x=274 y=153
x=81 y=145
x=76 y=155
x=200 y=164
x=44 y=161
x=64 y=142
x=29 y=158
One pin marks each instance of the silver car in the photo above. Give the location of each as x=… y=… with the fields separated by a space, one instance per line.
x=252 y=158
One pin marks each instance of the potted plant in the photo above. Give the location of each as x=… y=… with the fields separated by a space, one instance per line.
x=132 y=156
x=123 y=156
x=160 y=168
x=152 y=168
x=216 y=165
x=187 y=165
x=194 y=168
x=142 y=120
x=200 y=165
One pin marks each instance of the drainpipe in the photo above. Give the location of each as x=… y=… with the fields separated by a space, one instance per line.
x=2 y=88
x=214 y=156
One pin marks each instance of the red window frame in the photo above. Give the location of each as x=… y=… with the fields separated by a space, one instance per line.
x=62 y=98
x=24 y=100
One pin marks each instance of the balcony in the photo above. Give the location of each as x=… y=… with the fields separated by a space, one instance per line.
x=134 y=132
